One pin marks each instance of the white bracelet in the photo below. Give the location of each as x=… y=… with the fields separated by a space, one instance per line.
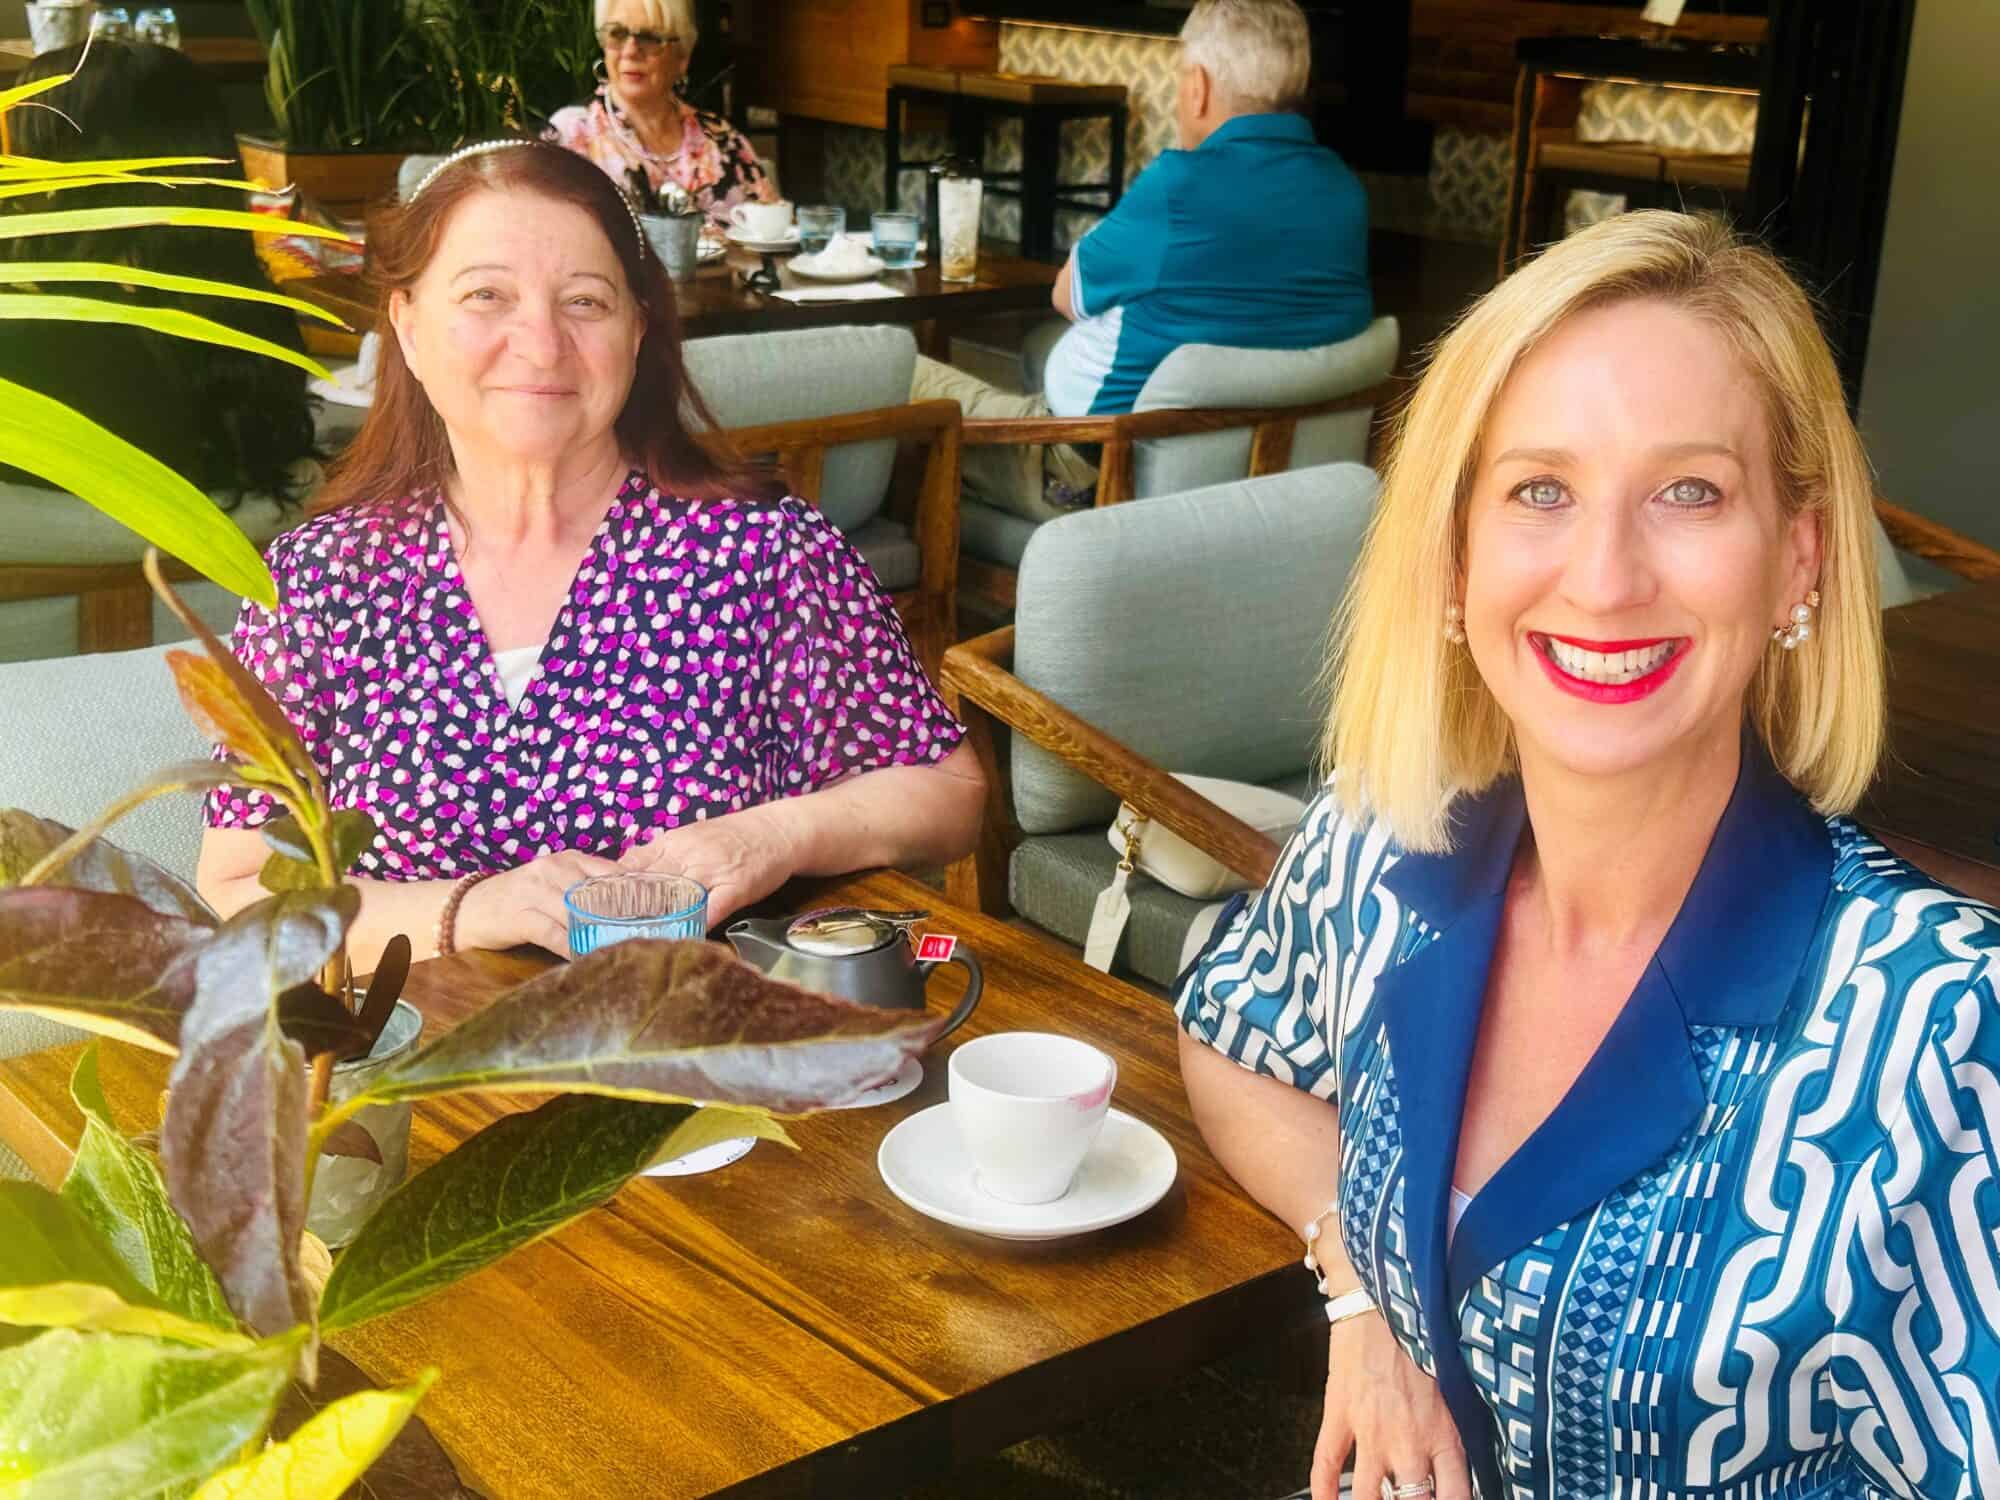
x=1348 y=1305
x=1310 y=1234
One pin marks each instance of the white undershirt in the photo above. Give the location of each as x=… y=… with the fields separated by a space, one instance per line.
x=516 y=667
x=1460 y=1202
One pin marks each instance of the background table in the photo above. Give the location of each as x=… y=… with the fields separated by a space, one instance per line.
x=1937 y=799
x=225 y=57
x=717 y=301
x=786 y=1326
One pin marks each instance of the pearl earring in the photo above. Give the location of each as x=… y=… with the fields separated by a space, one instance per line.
x=1800 y=630
x=1454 y=624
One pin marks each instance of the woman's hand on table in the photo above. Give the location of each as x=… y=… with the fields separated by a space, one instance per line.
x=741 y=857
x=1386 y=1411
x=525 y=904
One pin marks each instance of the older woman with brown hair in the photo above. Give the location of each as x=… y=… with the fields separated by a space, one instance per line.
x=1639 y=1112
x=638 y=121
x=543 y=624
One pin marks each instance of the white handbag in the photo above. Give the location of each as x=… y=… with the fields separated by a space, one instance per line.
x=1174 y=862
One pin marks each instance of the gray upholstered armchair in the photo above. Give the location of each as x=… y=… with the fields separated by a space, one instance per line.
x=1181 y=634
x=1207 y=415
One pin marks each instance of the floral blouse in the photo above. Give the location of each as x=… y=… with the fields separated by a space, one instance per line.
x=714 y=163
x=711 y=656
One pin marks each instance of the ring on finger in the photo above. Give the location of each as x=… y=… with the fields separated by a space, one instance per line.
x=1393 y=1491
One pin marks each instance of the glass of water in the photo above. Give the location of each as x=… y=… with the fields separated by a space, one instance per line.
x=958 y=226
x=820 y=224
x=895 y=239
x=607 y=909
x=158 y=24
x=111 y=23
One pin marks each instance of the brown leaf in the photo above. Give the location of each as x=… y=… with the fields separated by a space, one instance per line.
x=231 y=691
x=319 y=1023
x=232 y=1150
x=350 y=1138
x=99 y=866
x=392 y=969
x=233 y=1144
x=667 y=1021
x=414 y=1467
x=107 y=962
x=221 y=711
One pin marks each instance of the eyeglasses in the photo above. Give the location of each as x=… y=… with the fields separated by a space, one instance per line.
x=616 y=34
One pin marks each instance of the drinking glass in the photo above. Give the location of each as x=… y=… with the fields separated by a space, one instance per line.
x=820 y=224
x=158 y=24
x=895 y=239
x=112 y=23
x=607 y=909
x=958 y=228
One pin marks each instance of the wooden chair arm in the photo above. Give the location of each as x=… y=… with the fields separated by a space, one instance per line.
x=977 y=671
x=990 y=432
x=1939 y=544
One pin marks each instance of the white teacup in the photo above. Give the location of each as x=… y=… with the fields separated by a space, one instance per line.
x=1028 y=1107
x=762 y=221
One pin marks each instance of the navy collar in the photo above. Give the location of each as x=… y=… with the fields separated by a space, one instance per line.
x=1281 y=125
x=1748 y=919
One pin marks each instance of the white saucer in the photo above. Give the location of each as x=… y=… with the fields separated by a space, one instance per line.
x=1127 y=1172
x=903 y=1081
x=813 y=269
x=707 y=1159
x=789 y=240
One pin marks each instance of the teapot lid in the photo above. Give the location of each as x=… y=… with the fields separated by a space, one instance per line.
x=844 y=931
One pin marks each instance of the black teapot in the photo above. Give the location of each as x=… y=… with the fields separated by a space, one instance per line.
x=851 y=953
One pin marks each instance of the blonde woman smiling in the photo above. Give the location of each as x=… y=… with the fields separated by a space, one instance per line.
x=1640 y=1113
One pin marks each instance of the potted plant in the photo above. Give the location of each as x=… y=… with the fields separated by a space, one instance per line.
x=154 y=1313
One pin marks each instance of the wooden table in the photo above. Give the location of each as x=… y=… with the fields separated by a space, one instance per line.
x=1937 y=799
x=717 y=301
x=785 y=1326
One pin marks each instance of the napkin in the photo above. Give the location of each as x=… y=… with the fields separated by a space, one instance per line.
x=351 y=385
x=852 y=291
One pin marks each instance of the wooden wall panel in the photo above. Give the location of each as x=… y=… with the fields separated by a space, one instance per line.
x=829 y=59
x=1462 y=51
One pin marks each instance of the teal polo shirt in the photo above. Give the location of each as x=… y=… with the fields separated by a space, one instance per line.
x=1257 y=238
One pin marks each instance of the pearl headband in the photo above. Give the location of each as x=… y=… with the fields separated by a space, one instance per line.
x=487 y=148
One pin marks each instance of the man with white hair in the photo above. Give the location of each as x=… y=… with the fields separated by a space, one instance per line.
x=1250 y=235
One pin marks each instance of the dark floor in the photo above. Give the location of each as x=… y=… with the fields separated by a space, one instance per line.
x=1238 y=1429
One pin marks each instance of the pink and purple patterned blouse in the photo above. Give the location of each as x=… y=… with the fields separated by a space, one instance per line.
x=711 y=656
x=714 y=163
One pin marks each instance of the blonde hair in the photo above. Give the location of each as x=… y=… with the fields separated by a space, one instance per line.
x=673 y=17
x=1258 y=52
x=1412 y=724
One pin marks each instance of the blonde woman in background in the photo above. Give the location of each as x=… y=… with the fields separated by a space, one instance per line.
x=1640 y=1113
x=638 y=120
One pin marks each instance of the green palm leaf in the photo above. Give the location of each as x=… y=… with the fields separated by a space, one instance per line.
x=11 y=97
x=27 y=187
x=33 y=166
x=54 y=308
x=48 y=439
x=84 y=220
x=48 y=272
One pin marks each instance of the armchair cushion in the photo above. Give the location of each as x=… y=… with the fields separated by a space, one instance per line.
x=82 y=729
x=1191 y=627
x=1209 y=375
x=752 y=379
x=1053 y=882
x=995 y=535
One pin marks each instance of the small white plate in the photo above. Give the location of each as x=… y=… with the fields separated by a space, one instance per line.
x=814 y=269
x=707 y=1159
x=789 y=240
x=903 y=1081
x=1129 y=1170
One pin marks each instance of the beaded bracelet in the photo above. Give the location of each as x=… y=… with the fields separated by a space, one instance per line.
x=1349 y=1304
x=448 y=914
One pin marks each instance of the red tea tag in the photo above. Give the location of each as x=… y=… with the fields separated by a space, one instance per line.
x=936 y=947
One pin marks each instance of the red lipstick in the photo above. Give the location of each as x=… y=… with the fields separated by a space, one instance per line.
x=1611 y=692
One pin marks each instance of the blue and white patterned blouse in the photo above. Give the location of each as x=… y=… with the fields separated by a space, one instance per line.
x=1754 y=1253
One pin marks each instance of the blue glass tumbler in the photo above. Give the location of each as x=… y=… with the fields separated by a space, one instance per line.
x=895 y=239
x=608 y=909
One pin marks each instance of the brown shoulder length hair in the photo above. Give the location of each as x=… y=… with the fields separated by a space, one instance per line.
x=665 y=426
